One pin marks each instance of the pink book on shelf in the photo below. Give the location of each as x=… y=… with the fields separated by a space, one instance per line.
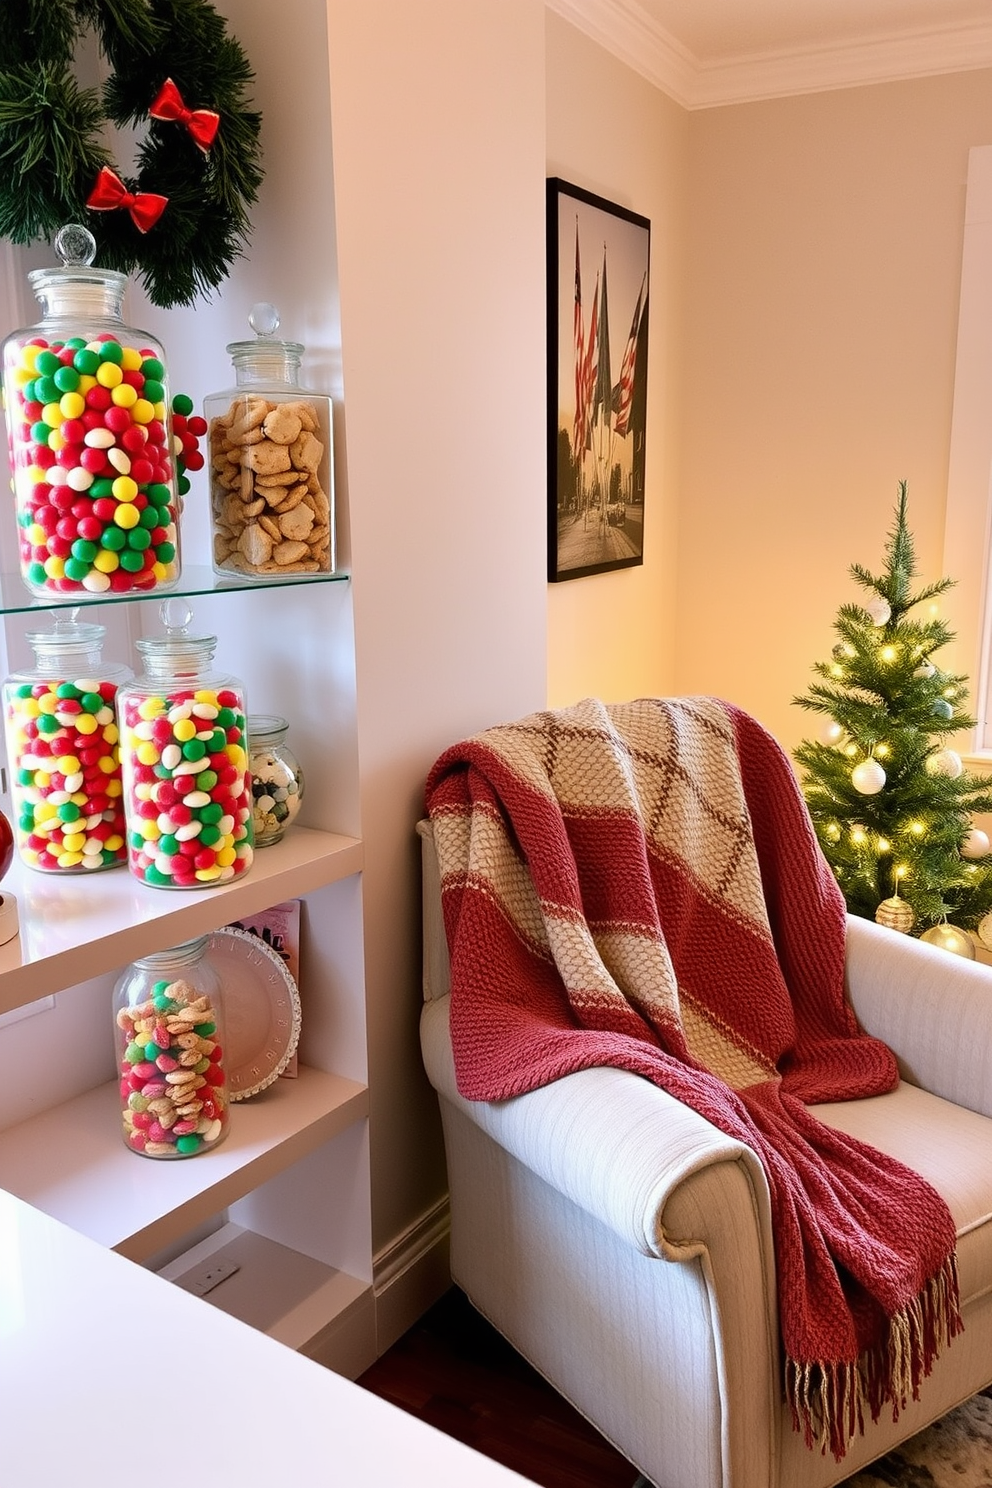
x=279 y=927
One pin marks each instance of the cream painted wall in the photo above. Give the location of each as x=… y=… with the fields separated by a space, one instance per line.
x=822 y=294
x=437 y=121
x=612 y=635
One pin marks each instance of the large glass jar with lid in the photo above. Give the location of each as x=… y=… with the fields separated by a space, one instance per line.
x=60 y=723
x=271 y=491
x=87 y=405
x=184 y=762
x=169 y=1041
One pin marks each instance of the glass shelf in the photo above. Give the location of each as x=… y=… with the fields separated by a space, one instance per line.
x=17 y=599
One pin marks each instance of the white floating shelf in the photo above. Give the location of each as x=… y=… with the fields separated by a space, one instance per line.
x=71 y=1162
x=77 y=926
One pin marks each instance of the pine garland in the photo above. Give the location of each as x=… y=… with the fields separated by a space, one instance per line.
x=52 y=136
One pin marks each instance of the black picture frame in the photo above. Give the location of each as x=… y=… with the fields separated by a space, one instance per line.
x=597 y=382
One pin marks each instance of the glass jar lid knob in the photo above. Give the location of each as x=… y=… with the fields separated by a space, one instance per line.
x=175 y=615
x=75 y=246
x=264 y=319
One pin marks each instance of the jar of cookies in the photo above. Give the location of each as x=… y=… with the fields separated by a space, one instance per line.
x=60 y=723
x=169 y=1042
x=270 y=456
x=94 y=470
x=184 y=762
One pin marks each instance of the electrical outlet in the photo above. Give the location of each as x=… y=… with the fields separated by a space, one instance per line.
x=209 y=1274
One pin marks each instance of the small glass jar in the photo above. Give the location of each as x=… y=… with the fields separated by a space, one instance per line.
x=169 y=1040
x=270 y=447
x=60 y=723
x=277 y=782
x=184 y=763
x=87 y=407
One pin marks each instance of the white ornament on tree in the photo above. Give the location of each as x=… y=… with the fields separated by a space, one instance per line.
x=831 y=732
x=985 y=930
x=925 y=669
x=945 y=762
x=976 y=844
x=868 y=777
x=879 y=609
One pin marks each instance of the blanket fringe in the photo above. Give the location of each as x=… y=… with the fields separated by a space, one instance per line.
x=829 y=1401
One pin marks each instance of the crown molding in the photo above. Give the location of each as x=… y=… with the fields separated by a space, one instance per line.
x=623 y=28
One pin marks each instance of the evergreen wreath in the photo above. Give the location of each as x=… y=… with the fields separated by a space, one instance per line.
x=181 y=220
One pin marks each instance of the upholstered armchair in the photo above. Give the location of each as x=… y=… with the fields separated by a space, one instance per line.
x=624 y=1244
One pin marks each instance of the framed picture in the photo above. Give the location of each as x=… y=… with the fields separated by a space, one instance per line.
x=598 y=272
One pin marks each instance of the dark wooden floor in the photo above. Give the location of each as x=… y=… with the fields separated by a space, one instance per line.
x=455 y=1372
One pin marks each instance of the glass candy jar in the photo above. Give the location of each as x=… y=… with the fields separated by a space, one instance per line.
x=276 y=777
x=92 y=466
x=269 y=441
x=60 y=723
x=184 y=762
x=169 y=1038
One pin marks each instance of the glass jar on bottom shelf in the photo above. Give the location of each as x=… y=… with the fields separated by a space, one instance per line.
x=168 y=1030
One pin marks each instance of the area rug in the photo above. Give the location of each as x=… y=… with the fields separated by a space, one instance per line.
x=955 y=1452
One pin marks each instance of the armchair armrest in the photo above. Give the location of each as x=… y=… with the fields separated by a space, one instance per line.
x=656 y=1172
x=932 y=1008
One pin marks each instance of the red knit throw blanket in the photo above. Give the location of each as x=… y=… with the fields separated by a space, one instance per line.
x=639 y=885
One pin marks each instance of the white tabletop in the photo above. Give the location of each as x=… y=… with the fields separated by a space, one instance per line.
x=110 y=1377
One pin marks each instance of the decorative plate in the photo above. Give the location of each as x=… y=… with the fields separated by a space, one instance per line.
x=261 y=1010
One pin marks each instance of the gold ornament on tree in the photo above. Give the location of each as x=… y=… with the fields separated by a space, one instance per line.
x=985 y=930
x=950 y=938
x=895 y=914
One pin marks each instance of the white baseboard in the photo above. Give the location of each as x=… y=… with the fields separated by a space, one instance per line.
x=410 y=1274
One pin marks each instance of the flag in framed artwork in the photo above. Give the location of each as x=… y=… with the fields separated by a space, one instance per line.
x=597 y=397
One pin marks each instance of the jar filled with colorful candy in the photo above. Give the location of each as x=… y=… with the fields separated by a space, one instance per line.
x=89 y=423
x=60 y=723
x=184 y=762
x=169 y=1040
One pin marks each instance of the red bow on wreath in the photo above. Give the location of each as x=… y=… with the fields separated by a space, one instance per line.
x=201 y=123
x=145 y=207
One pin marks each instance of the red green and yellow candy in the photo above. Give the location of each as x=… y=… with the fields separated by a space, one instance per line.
x=96 y=465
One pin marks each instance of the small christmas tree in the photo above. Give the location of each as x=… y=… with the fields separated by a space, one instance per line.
x=891 y=804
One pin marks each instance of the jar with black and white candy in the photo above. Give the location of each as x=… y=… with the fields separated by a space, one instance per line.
x=184 y=762
x=277 y=782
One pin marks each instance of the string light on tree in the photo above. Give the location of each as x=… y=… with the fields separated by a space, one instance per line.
x=889 y=796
